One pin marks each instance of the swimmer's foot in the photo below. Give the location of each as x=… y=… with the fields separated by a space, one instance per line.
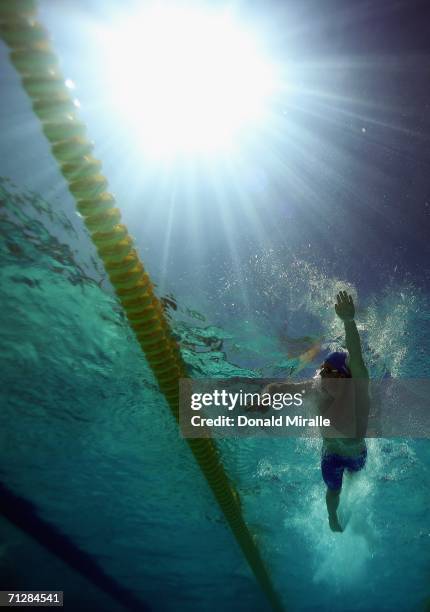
x=334 y=523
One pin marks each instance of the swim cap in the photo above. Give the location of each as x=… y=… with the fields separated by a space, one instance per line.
x=339 y=361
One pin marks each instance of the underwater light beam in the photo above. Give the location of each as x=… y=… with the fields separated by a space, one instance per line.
x=188 y=80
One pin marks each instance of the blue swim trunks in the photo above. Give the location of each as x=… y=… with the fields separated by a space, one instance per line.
x=332 y=467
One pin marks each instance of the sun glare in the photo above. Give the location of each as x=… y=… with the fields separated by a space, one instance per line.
x=189 y=81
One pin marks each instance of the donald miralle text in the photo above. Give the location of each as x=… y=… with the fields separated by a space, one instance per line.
x=209 y=408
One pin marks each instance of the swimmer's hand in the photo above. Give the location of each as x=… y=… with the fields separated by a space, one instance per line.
x=270 y=389
x=259 y=407
x=344 y=307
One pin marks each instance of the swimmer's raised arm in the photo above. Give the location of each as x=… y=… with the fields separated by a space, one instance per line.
x=345 y=310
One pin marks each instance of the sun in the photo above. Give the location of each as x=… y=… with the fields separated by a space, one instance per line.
x=189 y=81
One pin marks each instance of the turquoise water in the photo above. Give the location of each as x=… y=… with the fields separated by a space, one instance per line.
x=87 y=438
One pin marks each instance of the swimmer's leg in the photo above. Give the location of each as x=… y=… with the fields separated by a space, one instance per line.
x=332 y=500
x=332 y=473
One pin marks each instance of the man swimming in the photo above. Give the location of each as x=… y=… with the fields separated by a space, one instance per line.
x=339 y=453
x=347 y=453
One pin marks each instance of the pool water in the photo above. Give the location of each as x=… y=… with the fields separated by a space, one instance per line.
x=87 y=438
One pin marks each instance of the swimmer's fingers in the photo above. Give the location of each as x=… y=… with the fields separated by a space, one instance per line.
x=349 y=302
x=347 y=298
x=343 y=297
x=339 y=299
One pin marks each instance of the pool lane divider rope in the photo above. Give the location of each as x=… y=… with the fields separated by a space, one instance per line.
x=34 y=59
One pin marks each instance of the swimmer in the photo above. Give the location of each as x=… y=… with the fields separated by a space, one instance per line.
x=348 y=452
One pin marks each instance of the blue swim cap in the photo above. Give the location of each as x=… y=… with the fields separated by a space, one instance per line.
x=339 y=361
